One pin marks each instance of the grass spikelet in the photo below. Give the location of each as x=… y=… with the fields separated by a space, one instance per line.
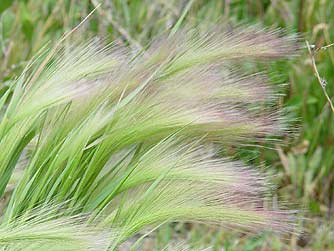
x=49 y=229
x=131 y=141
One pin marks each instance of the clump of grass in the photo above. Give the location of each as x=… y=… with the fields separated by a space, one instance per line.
x=129 y=141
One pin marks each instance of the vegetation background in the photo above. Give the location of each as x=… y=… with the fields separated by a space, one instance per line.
x=302 y=167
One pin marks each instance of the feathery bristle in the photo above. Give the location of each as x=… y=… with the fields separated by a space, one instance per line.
x=129 y=139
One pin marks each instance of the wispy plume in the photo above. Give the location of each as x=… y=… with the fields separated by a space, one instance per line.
x=134 y=141
x=49 y=229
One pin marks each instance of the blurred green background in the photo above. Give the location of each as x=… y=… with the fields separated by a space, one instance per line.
x=302 y=166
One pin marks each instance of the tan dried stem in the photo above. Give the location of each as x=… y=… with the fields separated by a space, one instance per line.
x=316 y=72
